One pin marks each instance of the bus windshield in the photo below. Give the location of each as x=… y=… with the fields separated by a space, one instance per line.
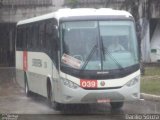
x=98 y=45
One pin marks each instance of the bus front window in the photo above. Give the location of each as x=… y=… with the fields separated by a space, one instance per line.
x=120 y=44
x=80 y=44
x=98 y=45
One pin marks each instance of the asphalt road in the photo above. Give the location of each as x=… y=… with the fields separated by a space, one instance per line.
x=14 y=101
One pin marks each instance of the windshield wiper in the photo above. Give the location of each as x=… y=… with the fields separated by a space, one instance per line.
x=102 y=52
x=89 y=57
x=117 y=63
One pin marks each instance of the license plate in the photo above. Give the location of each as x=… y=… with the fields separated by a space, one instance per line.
x=88 y=83
x=103 y=100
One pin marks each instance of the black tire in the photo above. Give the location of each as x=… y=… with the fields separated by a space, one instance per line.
x=116 y=105
x=51 y=101
x=27 y=92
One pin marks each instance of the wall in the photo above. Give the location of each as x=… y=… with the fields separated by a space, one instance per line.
x=11 y=11
x=143 y=11
x=16 y=10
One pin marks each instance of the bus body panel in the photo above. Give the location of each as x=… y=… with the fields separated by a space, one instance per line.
x=92 y=96
x=81 y=95
x=109 y=83
x=39 y=65
x=19 y=68
x=40 y=68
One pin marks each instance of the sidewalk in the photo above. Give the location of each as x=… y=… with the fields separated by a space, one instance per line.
x=7 y=74
x=150 y=97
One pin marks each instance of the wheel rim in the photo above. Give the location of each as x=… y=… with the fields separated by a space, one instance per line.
x=26 y=86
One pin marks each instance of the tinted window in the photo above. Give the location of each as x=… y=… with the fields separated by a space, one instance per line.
x=42 y=35
x=19 y=38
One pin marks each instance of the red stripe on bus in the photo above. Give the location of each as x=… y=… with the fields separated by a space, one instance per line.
x=25 y=61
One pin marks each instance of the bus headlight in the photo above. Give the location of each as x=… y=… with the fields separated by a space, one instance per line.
x=69 y=83
x=133 y=81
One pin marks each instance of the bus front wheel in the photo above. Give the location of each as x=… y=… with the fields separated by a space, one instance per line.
x=116 y=105
x=51 y=100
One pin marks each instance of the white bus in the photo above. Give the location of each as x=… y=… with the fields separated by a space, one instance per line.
x=79 y=56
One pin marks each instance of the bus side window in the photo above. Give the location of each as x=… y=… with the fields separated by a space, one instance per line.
x=24 y=38
x=42 y=35
x=51 y=40
x=49 y=36
x=35 y=37
x=19 y=38
x=30 y=33
x=29 y=37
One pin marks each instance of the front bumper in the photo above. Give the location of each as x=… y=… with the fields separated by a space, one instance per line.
x=81 y=95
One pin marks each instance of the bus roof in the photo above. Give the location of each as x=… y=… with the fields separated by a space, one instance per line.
x=67 y=12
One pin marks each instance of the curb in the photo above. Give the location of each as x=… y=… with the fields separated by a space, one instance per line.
x=150 y=97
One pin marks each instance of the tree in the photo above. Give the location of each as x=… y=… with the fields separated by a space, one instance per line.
x=1 y=3
x=72 y=3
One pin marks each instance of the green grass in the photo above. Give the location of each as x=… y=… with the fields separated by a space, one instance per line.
x=150 y=82
x=150 y=86
x=152 y=71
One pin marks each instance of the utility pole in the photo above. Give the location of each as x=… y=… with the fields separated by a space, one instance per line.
x=72 y=3
x=1 y=5
x=106 y=3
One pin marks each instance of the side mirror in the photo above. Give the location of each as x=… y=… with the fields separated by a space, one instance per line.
x=55 y=27
x=55 y=31
x=56 y=35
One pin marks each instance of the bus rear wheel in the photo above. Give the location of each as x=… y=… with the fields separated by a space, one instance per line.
x=116 y=105
x=52 y=103
x=27 y=92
